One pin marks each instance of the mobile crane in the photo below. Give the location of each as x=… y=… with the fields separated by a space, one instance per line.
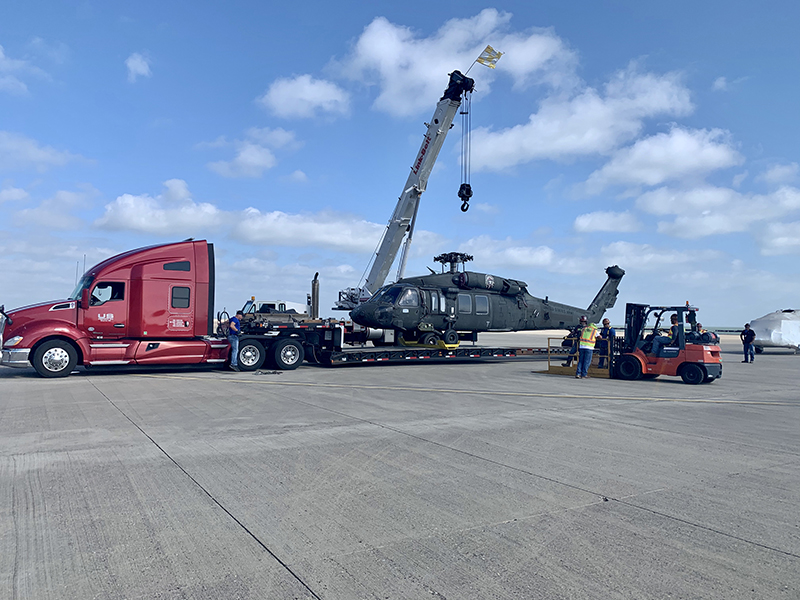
x=401 y=224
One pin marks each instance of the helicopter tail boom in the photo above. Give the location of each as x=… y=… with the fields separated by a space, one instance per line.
x=607 y=296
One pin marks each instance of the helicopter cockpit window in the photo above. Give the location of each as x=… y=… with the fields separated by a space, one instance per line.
x=409 y=298
x=388 y=294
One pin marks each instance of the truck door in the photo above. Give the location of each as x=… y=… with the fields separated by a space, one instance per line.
x=107 y=313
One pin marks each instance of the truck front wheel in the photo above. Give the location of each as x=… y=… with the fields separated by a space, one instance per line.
x=288 y=354
x=55 y=358
x=251 y=355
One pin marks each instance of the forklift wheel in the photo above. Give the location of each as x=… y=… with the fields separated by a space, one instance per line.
x=629 y=368
x=693 y=374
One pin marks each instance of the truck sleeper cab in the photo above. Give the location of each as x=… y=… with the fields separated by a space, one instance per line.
x=151 y=305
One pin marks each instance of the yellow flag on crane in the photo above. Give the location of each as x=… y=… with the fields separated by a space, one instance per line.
x=489 y=57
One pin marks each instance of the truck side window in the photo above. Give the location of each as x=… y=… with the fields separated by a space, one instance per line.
x=464 y=304
x=409 y=298
x=481 y=305
x=107 y=291
x=182 y=265
x=180 y=297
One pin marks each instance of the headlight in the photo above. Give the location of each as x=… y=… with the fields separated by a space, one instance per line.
x=12 y=341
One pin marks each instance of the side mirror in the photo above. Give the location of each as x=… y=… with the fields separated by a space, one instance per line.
x=84 y=301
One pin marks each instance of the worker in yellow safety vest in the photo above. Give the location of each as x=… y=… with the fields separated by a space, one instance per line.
x=585 y=347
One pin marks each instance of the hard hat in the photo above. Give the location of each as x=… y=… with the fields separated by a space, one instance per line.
x=583 y=319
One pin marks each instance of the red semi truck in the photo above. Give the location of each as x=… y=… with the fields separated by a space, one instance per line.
x=148 y=306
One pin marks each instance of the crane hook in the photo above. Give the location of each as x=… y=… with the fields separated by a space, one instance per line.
x=465 y=193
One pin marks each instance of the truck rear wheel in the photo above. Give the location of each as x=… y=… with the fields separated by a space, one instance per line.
x=288 y=354
x=629 y=368
x=251 y=355
x=693 y=374
x=55 y=358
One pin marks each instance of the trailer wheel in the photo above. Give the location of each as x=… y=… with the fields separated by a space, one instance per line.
x=251 y=355
x=55 y=358
x=693 y=374
x=288 y=354
x=450 y=337
x=629 y=368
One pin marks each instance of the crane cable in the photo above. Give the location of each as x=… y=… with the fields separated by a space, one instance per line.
x=465 y=190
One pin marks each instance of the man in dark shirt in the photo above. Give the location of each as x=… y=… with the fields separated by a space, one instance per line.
x=605 y=342
x=748 y=336
x=235 y=328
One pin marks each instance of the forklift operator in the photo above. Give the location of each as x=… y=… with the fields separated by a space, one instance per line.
x=662 y=340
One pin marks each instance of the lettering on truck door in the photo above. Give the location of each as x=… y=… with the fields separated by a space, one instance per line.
x=106 y=317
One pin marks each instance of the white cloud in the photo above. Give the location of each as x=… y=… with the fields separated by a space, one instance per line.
x=54 y=213
x=251 y=161
x=680 y=154
x=56 y=52
x=168 y=214
x=409 y=68
x=508 y=253
x=720 y=84
x=174 y=212
x=709 y=210
x=648 y=258
x=253 y=157
x=18 y=152
x=12 y=71
x=781 y=238
x=588 y=123
x=138 y=66
x=303 y=96
x=606 y=221
x=297 y=177
x=780 y=174
x=330 y=230
x=11 y=194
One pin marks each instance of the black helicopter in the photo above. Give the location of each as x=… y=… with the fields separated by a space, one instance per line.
x=436 y=307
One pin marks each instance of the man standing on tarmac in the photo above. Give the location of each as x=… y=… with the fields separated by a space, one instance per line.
x=234 y=329
x=748 y=336
x=606 y=337
x=585 y=347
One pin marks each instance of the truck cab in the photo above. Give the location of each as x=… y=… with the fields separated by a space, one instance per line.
x=152 y=305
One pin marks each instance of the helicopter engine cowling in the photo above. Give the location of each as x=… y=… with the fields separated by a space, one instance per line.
x=469 y=280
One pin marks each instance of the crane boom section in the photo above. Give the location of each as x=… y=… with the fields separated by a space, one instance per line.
x=406 y=208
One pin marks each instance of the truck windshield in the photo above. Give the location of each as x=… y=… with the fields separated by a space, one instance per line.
x=84 y=284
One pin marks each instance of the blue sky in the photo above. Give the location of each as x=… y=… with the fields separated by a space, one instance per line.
x=662 y=138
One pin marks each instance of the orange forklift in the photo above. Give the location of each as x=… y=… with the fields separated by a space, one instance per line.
x=693 y=355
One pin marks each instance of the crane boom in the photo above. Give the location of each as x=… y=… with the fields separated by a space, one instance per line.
x=405 y=212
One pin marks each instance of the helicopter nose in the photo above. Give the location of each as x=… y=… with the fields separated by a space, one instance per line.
x=360 y=315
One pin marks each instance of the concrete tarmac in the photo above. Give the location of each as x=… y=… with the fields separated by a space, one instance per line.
x=477 y=480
